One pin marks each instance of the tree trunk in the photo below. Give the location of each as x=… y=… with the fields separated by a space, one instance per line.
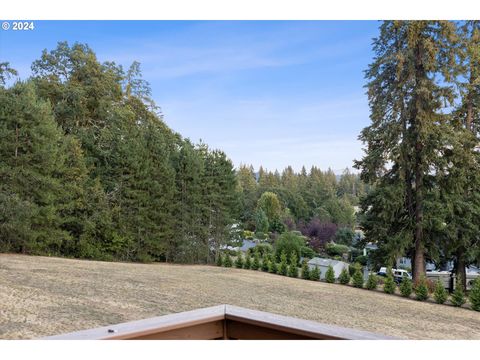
x=460 y=271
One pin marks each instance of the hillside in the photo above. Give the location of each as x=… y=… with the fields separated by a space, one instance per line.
x=44 y=296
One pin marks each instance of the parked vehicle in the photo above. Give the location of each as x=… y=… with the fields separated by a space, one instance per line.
x=398 y=274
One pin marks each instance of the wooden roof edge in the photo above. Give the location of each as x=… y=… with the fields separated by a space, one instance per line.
x=299 y=326
x=146 y=326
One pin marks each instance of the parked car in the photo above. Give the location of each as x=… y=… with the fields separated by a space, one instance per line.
x=398 y=274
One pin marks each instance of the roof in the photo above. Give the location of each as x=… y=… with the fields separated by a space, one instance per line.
x=247 y=244
x=325 y=262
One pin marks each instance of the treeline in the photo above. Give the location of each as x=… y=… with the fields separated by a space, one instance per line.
x=422 y=147
x=89 y=169
x=274 y=202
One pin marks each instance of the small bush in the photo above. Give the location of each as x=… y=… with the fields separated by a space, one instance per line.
x=247 y=264
x=293 y=269
x=440 y=294
x=239 y=261
x=421 y=289
x=353 y=268
x=330 y=275
x=219 y=260
x=260 y=235
x=357 y=279
x=262 y=249
x=315 y=274
x=265 y=260
x=283 y=268
x=389 y=285
x=305 y=270
x=307 y=252
x=256 y=261
x=362 y=259
x=474 y=295
x=344 y=277
x=247 y=234
x=458 y=297
x=227 y=261
x=372 y=282
x=406 y=287
x=336 y=249
x=272 y=266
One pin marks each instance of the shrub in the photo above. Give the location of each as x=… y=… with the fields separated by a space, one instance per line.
x=315 y=274
x=239 y=261
x=307 y=252
x=440 y=294
x=219 y=260
x=305 y=270
x=357 y=279
x=330 y=275
x=272 y=266
x=474 y=295
x=372 y=282
x=362 y=259
x=288 y=242
x=247 y=234
x=283 y=268
x=389 y=285
x=256 y=261
x=406 y=287
x=227 y=261
x=265 y=260
x=421 y=289
x=262 y=249
x=333 y=249
x=247 y=264
x=260 y=235
x=293 y=269
x=458 y=297
x=353 y=268
x=344 y=277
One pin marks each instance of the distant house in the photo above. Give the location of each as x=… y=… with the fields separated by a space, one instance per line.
x=323 y=264
x=247 y=244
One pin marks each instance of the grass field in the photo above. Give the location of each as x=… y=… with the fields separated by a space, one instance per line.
x=42 y=296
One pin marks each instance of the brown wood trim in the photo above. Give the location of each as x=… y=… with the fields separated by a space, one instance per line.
x=207 y=331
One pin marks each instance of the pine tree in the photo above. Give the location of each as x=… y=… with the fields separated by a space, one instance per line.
x=406 y=287
x=239 y=261
x=440 y=295
x=248 y=262
x=227 y=261
x=315 y=274
x=474 y=295
x=283 y=268
x=219 y=260
x=293 y=267
x=272 y=266
x=265 y=260
x=458 y=297
x=330 y=275
x=372 y=282
x=256 y=261
x=305 y=270
x=344 y=277
x=421 y=289
x=357 y=279
x=389 y=285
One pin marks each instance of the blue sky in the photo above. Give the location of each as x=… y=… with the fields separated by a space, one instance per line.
x=271 y=93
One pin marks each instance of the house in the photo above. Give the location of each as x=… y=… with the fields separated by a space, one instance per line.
x=247 y=244
x=323 y=264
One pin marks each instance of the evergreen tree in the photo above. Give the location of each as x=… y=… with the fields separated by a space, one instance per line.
x=330 y=275
x=272 y=266
x=283 y=268
x=219 y=260
x=239 y=261
x=406 y=287
x=357 y=279
x=389 y=285
x=344 y=277
x=305 y=270
x=293 y=267
x=248 y=262
x=458 y=296
x=474 y=295
x=227 y=261
x=440 y=295
x=421 y=289
x=256 y=261
x=315 y=274
x=265 y=260
x=372 y=282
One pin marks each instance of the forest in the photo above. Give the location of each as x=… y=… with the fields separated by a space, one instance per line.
x=90 y=169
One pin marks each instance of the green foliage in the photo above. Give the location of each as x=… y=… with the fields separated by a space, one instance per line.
x=406 y=287
x=265 y=260
x=372 y=282
x=239 y=261
x=336 y=249
x=270 y=206
x=305 y=270
x=315 y=274
x=458 y=297
x=247 y=264
x=256 y=261
x=227 y=261
x=219 y=260
x=421 y=289
x=307 y=252
x=262 y=249
x=440 y=294
x=344 y=236
x=262 y=224
x=357 y=279
x=389 y=284
x=247 y=234
x=474 y=295
x=330 y=275
x=293 y=267
x=289 y=243
x=261 y=235
x=344 y=277
x=272 y=266
x=283 y=267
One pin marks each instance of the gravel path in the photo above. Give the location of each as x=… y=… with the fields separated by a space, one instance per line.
x=42 y=296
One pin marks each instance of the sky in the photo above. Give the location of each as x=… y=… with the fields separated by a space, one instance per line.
x=270 y=93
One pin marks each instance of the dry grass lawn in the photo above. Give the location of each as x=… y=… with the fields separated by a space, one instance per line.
x=42 y=296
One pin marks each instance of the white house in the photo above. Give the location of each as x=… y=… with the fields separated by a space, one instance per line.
x=323 y=264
